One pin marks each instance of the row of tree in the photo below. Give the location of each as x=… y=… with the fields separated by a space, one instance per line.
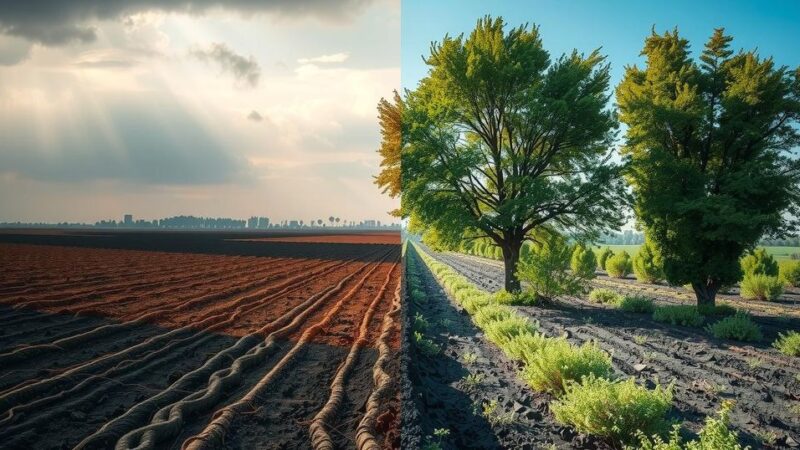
x=503 y=142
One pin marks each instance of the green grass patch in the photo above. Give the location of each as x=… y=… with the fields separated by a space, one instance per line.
x=636 y=304
x=604 y=296
x=684 y=315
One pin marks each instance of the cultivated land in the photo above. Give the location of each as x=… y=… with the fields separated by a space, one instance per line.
x=763 y=383
x=201 y=340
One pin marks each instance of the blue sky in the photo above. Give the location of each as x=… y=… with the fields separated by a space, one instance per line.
x=619 y=27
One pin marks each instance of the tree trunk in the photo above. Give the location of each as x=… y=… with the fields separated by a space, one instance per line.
x=510 y=261
x=706 y=294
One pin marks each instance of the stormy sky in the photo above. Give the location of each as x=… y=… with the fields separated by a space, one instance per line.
x=202 y=107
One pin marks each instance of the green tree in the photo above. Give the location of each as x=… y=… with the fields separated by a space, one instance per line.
x=390 y=120
x=708 y=145
x=583 y=262
x=759 y=262
x=647 y=264
x=500 y=141
x=604 y=255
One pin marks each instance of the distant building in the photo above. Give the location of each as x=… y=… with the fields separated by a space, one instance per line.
x=128 y=220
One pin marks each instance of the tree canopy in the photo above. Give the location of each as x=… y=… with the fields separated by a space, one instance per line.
x=501 y=142
x=390 y=120
x=709 y=144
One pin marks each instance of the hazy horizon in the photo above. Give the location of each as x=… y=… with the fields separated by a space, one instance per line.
x=205 y=108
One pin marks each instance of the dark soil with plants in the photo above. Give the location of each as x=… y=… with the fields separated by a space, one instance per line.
x=763 y=383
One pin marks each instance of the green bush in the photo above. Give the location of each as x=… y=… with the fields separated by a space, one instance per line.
x=739 y=327
x=583 y=262
x=504 y=297
x=604 y=296
x=788 y=344
x=636 y=304
x=558 y=361
x=603 y=257
x=719 y=310
x=715 y=435
x=790 y=272
x=523 y=347
x=619 y=265
x=545 y=270
x=647 y=264
x=685 y=315
x=759 y=262
x=761 y=287
x=615 y=410
x=502 y=331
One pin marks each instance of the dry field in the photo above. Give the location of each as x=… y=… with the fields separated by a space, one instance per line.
x=197 y=340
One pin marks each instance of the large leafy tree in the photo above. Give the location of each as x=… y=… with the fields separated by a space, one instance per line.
x=390 y=120
x=710 y=148
x=501 y=142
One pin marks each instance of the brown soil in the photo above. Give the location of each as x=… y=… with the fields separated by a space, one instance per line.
x=106 y=341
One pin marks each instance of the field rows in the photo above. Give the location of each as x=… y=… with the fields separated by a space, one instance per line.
x=107 y=348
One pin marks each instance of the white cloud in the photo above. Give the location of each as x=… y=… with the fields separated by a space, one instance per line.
x=326 y=59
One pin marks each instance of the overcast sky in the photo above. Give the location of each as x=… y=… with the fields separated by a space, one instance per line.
x=254 y=108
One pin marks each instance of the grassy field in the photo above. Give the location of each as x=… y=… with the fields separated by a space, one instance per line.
x=779 y=253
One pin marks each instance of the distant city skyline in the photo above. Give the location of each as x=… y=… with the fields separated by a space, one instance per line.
x=203 y=108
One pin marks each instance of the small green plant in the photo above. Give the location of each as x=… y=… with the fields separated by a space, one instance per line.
x=502 y=331
x=619 y=265
x=495 y=415
x=436 y=442
x=472 y=381
x=469 y=358
x=603 y=257
x=583 y=262
x=766 y=436
x=558 y=361
x=788 y=344
x=720 y=310
x=426 y=346
x=491 y=313
x=640 y=339
x=420 y=322
x=504 y=297
x=761 y=287
x=636 y=304
x=604 y=296
x=715 y=435
x=790 y=272
x=759 y=262
x=523 y=347
x=616 y=410
x=754 y=363
x=739 y=327
x=685 y=315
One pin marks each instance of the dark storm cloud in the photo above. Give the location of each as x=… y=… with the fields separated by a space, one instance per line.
x=243 y=69
x=132 y=144
x=54 y=22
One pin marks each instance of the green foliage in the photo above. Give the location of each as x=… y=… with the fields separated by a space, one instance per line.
x=616 y=410
x=739 y=327
x=504 y=297
x=636 y=304
x=604 y=296
x=790 y=272
x=720 y=310
x=619 y=265
x=709 y=144
x=545 y=270
x=503 y=331
x=491 y=313
x=558 y=361
x=604 y=255
x=685 y=315
x=761 y=287
x=524 y=346
x=788 y=344
x=759 y=262
x=715 y=435
x=467 y=172
x=426 y=346
x=647 y=264
x=583 y=262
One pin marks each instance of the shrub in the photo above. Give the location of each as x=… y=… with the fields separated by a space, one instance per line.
x=759 y=262
x=761 y=287
x=523 y=347
x=546 y=269
x=504 y=297
x=558 y=361
x=715 y=435
x=491 y=313
x=583 y=263
x=788 y=344
x=739 y=327
x=636 y=304
x=603 y=257
x=790 y=272
x=502 y=331
x=685 y=315
x=647 y=264
x=720 y=310
x=619 y=265
x=616 y=410
x=604 y=296
x=426 y=346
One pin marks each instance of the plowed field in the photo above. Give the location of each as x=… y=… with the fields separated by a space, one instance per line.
x=197 y=340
